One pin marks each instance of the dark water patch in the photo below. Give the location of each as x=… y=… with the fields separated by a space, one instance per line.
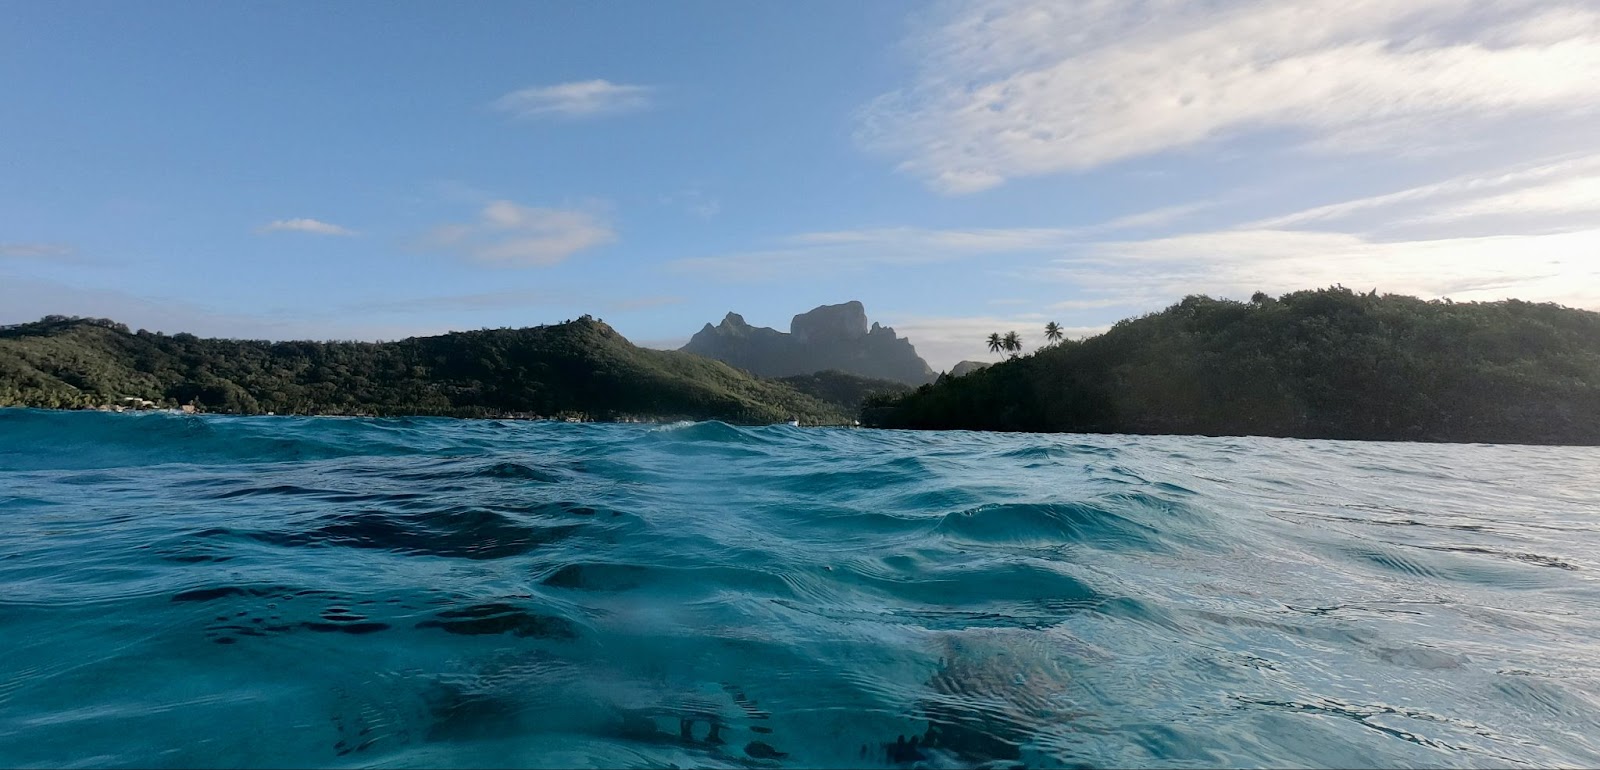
x=598 y=577
x=467 y=533
x=245 y=612
x=1526 y=558
x=671 y=583
x=323 y=495
x=505 y=470
x=516 y=472
x=501 y=618
x=221 y=592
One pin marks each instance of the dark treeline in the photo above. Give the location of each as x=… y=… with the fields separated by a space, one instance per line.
x=1330 y=363
x=578 y=368
x=848 y=391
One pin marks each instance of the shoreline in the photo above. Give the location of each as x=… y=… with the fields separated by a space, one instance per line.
x=517 y=417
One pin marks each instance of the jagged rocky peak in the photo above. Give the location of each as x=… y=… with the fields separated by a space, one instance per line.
x=847 y=320
x=828 y=337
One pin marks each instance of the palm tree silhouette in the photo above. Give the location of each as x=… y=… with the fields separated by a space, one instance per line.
x=996 y=344
x=1012 y=342
x=1052 y=332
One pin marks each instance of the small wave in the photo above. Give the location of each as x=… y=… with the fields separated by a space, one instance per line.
x=1051 y=524
x=708 y=432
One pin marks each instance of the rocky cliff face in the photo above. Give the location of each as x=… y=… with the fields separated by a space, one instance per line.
x=967 y=367
x=834 y=337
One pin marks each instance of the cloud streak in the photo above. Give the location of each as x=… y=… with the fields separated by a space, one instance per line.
x=45 y=251
x=511 y=235
x=1561 y=185
x=1015 y=88
x=511 y=299
x=578 y=99
x=303 y=225
x=843 y=251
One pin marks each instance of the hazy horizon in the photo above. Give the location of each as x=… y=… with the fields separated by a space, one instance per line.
x=371 y=172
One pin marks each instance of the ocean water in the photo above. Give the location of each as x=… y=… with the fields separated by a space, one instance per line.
x=180 y=591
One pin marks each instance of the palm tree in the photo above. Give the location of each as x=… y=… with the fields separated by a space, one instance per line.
x=1052 y=332
x=996 y=344
x=1012 y=342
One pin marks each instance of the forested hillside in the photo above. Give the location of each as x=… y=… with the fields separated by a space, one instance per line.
x=1330 y=363
x=583 y=367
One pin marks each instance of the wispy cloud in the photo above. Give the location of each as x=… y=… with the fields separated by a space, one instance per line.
x=1560 y=185
x=303 y=225
x=836 y=251
x=512 y=299
x=47 y=251
x=578 y=99
x=26 y=299
x=694 y=202
x=1013 y=88
x=509 y=234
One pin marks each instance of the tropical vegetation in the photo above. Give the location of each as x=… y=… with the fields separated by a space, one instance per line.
x=580 y=368
x=1330 y=363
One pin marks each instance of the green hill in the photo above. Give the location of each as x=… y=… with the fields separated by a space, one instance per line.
x=842 y=389
x=581 y=367
x=1313 y=364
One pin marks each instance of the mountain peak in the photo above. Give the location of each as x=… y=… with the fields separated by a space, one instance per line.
x=826 y=337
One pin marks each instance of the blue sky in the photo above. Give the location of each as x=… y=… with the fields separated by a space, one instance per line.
x=381 y=170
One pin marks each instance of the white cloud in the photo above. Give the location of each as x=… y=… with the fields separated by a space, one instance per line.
x=1010 y=88
x=578 y=99
x=518 y=299
x=1557 y=267
x=827 y=253
x=303 y=225
x=510 y=234
x=945 y=341
x=17 y=250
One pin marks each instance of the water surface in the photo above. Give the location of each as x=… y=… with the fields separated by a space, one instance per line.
x=276 y=592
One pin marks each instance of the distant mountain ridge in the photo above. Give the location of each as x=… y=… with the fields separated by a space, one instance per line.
x=829 y=337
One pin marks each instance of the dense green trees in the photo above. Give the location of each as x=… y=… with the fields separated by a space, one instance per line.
x=848 y=391
x=1326 y=364
x=579 y=367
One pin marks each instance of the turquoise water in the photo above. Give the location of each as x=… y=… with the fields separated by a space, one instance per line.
x=275 y=591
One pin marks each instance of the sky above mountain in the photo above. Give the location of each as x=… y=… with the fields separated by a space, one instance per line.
x=374 y=171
